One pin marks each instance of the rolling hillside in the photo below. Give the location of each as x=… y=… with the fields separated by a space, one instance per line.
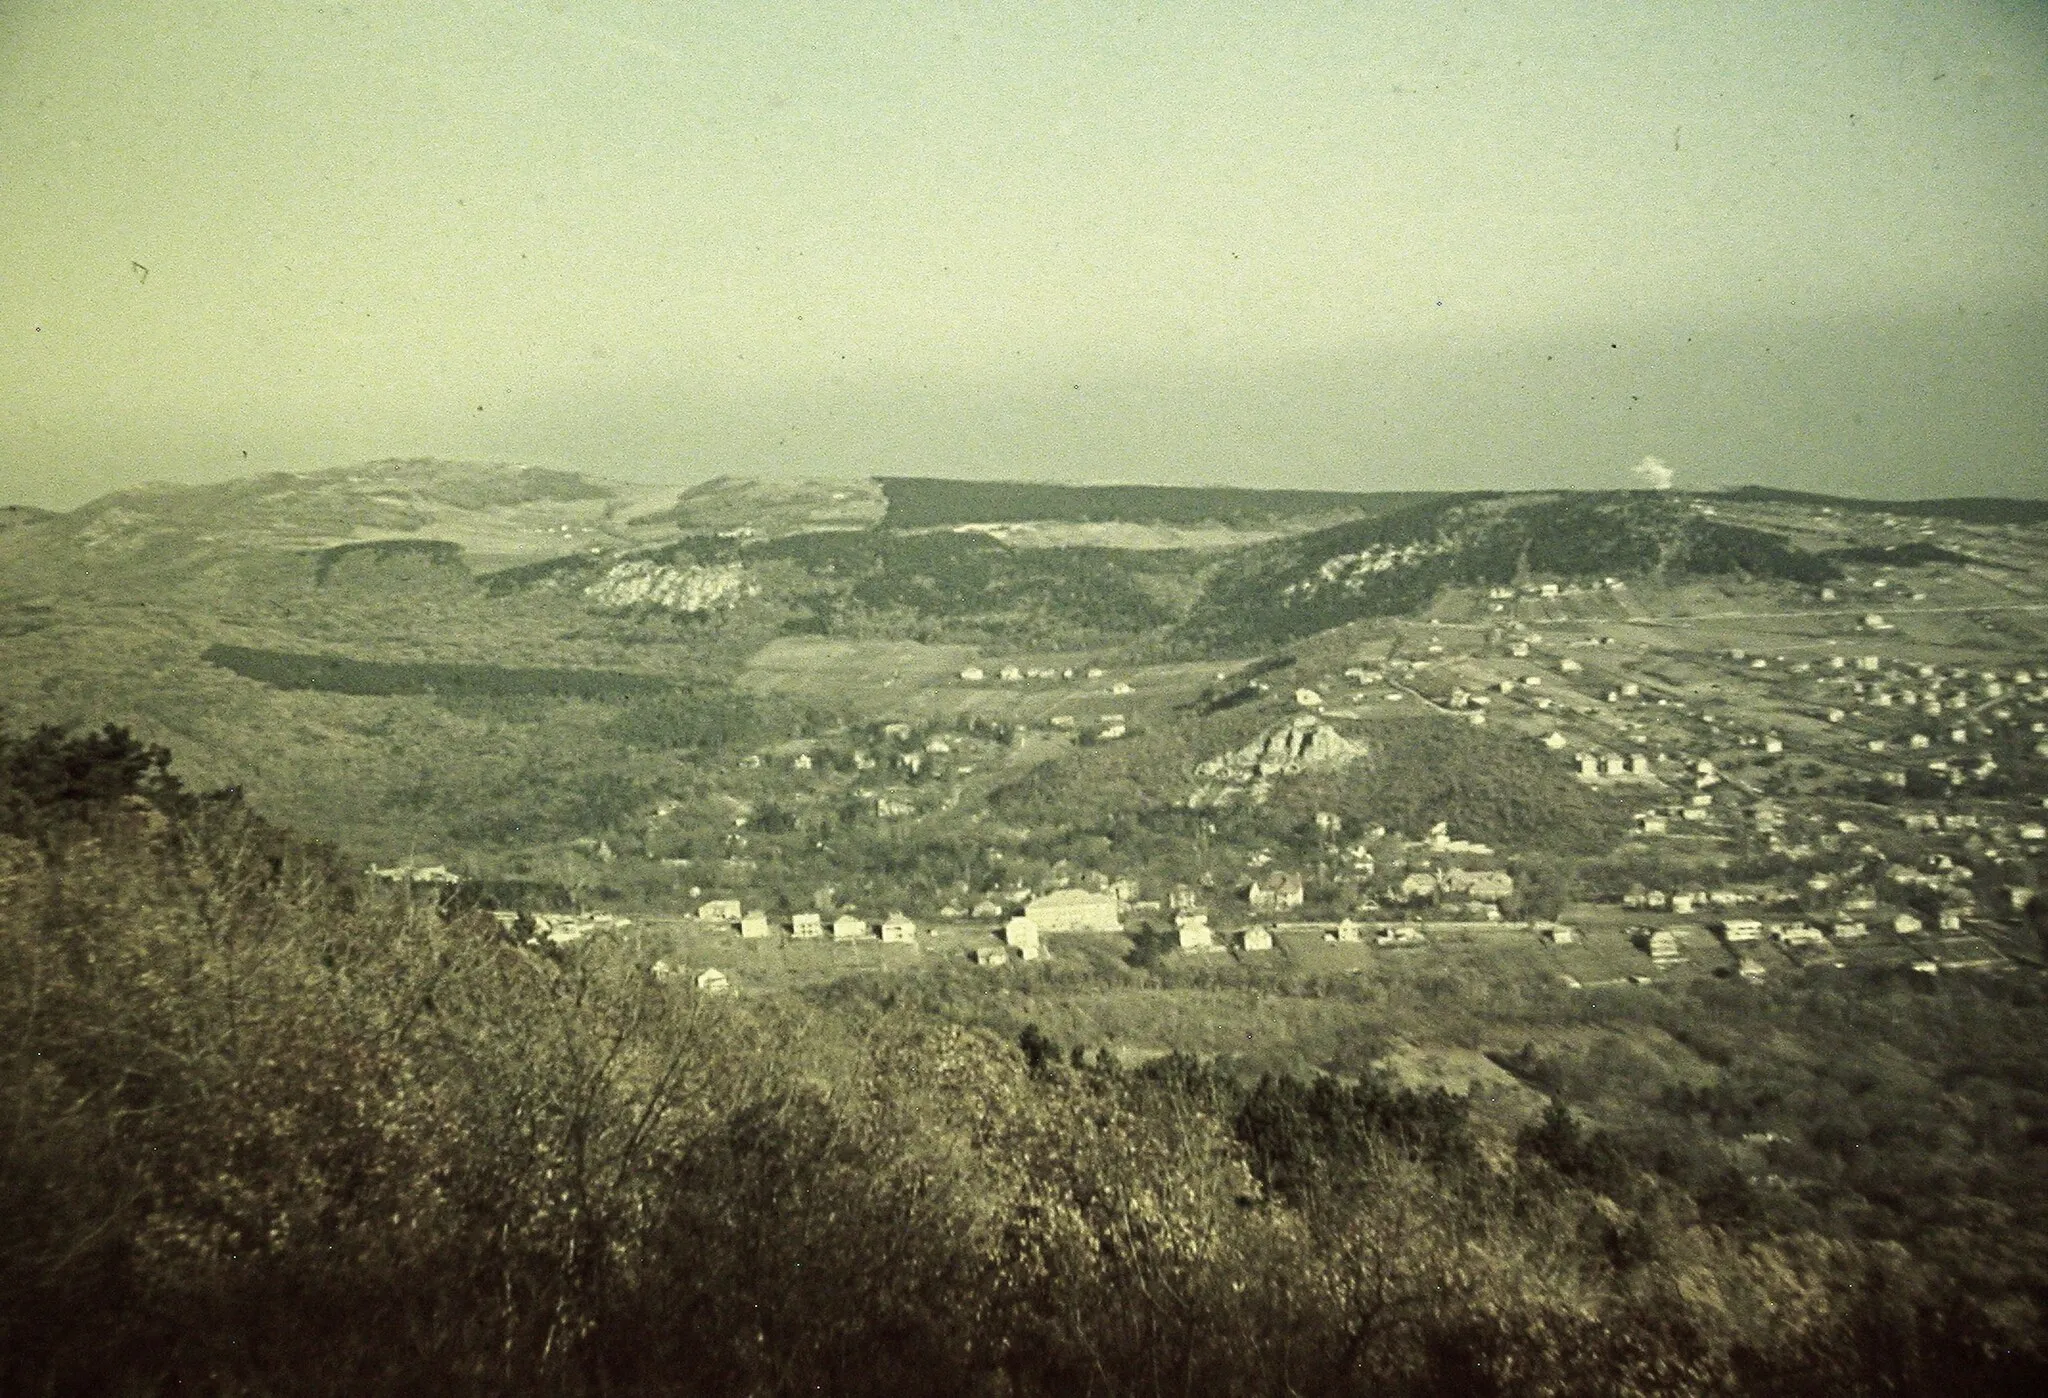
x=1396 y=564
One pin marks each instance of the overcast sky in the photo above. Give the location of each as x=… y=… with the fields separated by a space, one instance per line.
x=1339 y=245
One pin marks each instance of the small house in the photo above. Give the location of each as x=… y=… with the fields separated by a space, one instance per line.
x=990 y=955
x=755 y=924
x=806 y=926
x=1405 y=934
x=988 y=907
x=719 y=910
x=1021 y=934
x=1485 y=885
x=897 y=928
x=714 y=982
x=1257 y=939
x=1741 y=929
x=1276 y=892
x=848 y=928
x=1194 y=932
x=1905 y=924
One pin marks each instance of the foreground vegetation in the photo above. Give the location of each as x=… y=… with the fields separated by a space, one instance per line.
x=265 y=1130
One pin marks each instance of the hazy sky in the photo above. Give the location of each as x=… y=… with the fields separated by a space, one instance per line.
x=1326 y=244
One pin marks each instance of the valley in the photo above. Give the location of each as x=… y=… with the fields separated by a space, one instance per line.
x=1716 y=821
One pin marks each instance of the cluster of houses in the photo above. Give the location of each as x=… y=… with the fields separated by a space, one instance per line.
x=432 y=874
x=562 y=929
x=1014 y=674
x=1062 y=910
x=753 y=924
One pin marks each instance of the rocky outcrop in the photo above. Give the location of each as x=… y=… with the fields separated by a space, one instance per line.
x=1304 y=743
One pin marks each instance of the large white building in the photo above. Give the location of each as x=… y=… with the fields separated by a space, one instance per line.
x=1076 y=910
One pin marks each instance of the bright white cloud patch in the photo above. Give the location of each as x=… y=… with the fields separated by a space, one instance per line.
x=1652 y=471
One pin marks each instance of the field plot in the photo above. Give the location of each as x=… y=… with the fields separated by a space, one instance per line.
x=859 y=673
x=913 y=679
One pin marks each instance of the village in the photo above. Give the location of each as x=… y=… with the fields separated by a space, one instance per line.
x=1842 y=776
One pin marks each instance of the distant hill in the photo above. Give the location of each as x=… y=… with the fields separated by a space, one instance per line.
x=770 y=507
x=1397 y=563
x=917 y=502
x=1969 y=509
x=19 y=516
x=493 y=513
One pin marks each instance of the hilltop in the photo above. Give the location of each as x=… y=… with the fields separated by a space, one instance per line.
x=1398 y=563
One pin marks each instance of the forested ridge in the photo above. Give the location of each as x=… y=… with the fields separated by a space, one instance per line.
x=268 y=1129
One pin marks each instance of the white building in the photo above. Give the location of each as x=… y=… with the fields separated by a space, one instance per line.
x=1021 y=934
x=1075 y=910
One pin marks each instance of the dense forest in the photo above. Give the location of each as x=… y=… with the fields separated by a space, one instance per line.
x=268 y=1129
x=1969 y=509
x=917 y=502
x=341 y=674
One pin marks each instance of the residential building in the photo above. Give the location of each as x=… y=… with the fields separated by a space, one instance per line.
x=1489 y=885
x=1276 y=892
x=1194 y=932
x=1021 y=934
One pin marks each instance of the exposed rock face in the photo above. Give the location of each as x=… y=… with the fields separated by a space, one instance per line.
x=1305 y=743
x=644 y=584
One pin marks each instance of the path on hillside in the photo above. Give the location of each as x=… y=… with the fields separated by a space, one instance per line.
x=1674 y=618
